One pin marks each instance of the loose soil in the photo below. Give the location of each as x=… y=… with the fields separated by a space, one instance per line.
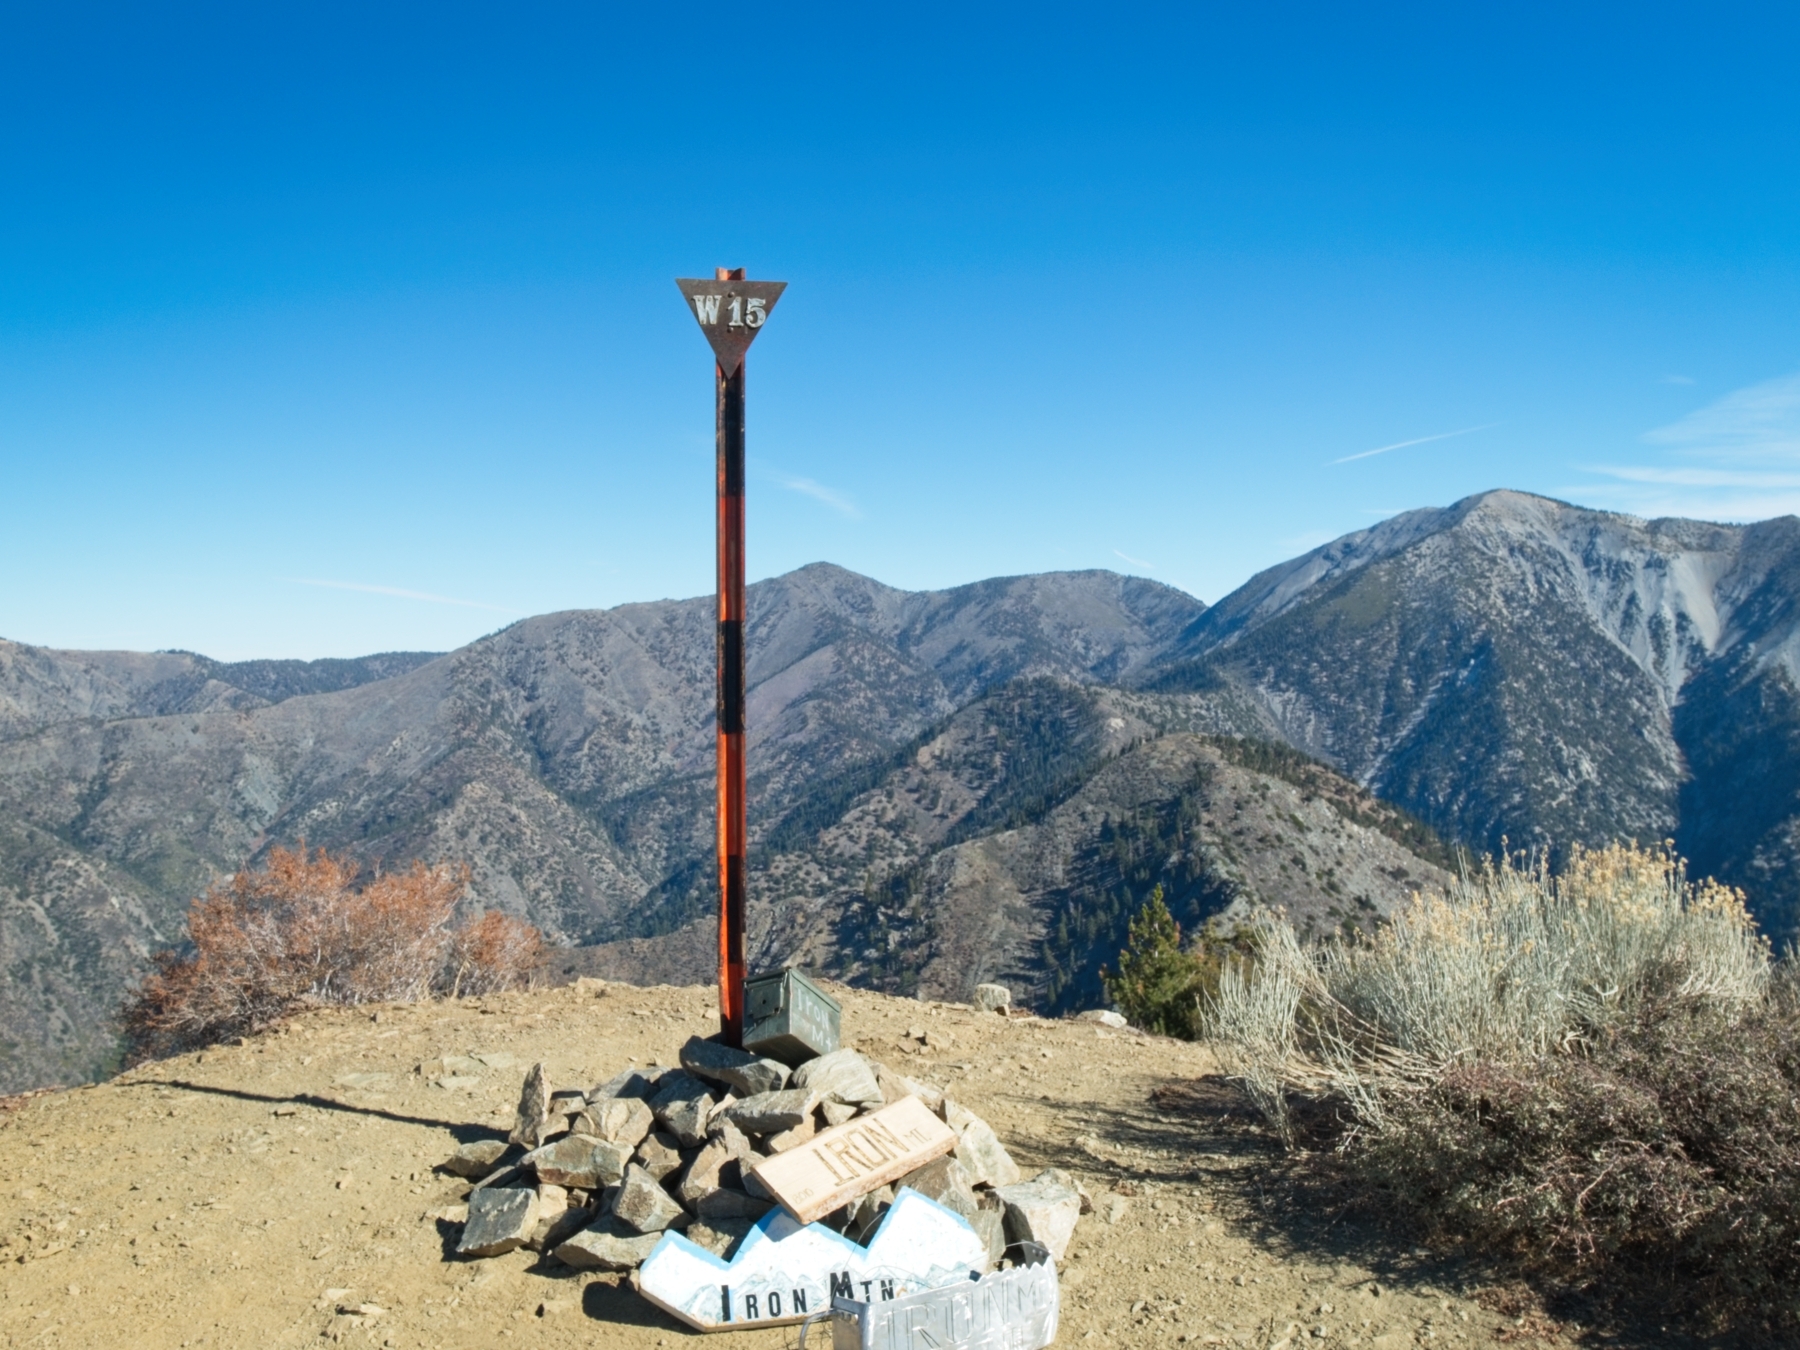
x=275 y=1192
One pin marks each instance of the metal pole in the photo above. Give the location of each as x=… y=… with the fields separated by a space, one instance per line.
x=732 y=822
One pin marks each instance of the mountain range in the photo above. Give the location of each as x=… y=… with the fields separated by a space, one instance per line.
x=945 y=786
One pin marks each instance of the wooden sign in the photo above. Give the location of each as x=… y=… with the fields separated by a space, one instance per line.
x=834 y=1167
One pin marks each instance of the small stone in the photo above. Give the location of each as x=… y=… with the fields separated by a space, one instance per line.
x=993 y=998
x=500 y=1220
x=533 y=1115
x=989 y=1224
x=553 y=1232
x=683 y=1107
x=658 y=1155
x=578 y=1160
x=782 y=1141
x=742 y=1072
x=475 y=1160
x=1073 y=1182
x=773 y=1112
x=1042 y=1210
x=644 y=1205
x=720 y=1236
x=736 y=1143
x=1114 y=1208
x=618 y=1120
x=946 y=1181
x=836 y=1113
x=863 y=1215
x=843 y=1076
x=726 y=1203
x=702 y=1175
x=1106 y=1017
x=606 y=1245
x=640 y=1084
x=895 y=1086
x=979 y=1149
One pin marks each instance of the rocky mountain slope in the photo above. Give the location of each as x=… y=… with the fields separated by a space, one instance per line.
x=567 y=758
x=947 y=784
x=1514 y=668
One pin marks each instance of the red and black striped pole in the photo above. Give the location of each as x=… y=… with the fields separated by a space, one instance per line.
x=731 y=312
x=733 y=816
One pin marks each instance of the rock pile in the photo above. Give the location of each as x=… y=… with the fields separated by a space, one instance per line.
x=594 y=1177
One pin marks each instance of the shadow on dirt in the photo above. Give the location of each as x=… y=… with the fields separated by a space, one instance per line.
x=462 y=1131
x=1202 y=1133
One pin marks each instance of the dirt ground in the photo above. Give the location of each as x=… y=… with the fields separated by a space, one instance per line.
x=281 y=1191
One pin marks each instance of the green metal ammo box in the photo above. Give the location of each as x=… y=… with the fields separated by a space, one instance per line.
x=789 y=1018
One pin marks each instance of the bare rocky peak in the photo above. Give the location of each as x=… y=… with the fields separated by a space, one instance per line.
x=1669 y=592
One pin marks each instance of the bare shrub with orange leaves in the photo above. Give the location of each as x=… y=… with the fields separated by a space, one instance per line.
x=301 y=932
x=494 y=952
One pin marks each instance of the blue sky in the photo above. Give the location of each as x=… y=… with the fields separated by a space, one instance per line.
x=334 y=329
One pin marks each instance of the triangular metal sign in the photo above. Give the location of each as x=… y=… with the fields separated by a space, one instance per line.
x=731 y=314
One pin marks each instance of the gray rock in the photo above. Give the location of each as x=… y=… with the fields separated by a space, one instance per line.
x=895 y=1086
x=979 y=1149
x=863 y=1215
x=742 y=1072
x=552 y=1232
x=1042 y=1210
x=501 y=1219
x=946 y=1181
x=772 y=1112
x=727 y=1203
x=683 y=1107
x=836 y=1113
x=640 y=1084
x=722 y=1131
x=533 y=1115
x=578 y=1160
x=720 y=1236
x=702 y=1174
x=658 y=1155
x=618 y=1120
x=1106 y=1017
x=989 y=1224
x=993 y=997
x=644 y=1205
x=843 y=1076
x=606 y=1245
x=783 y=1140
x=475 y=1160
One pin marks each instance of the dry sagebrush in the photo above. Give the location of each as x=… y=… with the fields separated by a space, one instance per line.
x=1590 y=1069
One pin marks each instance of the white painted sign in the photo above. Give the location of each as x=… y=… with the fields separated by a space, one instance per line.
x=783 y=1271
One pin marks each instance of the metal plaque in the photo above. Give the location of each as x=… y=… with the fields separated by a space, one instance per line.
x=789 y=1018
x=837 y=1165
x=730 y=313
x=1013 y=1309
x=783 y=1271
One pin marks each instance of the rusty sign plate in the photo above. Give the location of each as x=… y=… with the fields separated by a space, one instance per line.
x=730 y=313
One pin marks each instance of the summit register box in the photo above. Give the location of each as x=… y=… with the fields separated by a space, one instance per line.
x=789 y=1018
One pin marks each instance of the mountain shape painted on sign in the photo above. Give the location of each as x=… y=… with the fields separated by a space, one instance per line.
x=730 y=313
x=784 y=1270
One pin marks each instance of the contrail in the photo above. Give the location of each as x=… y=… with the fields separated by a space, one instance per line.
x=1401 y=445
x=402 y=594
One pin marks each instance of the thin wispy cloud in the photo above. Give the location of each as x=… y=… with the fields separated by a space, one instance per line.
x=1135 y=562
x=1761 y=422
x=1420 y=440
x=1737 y=458
x=400 y=594
x=836 y=500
